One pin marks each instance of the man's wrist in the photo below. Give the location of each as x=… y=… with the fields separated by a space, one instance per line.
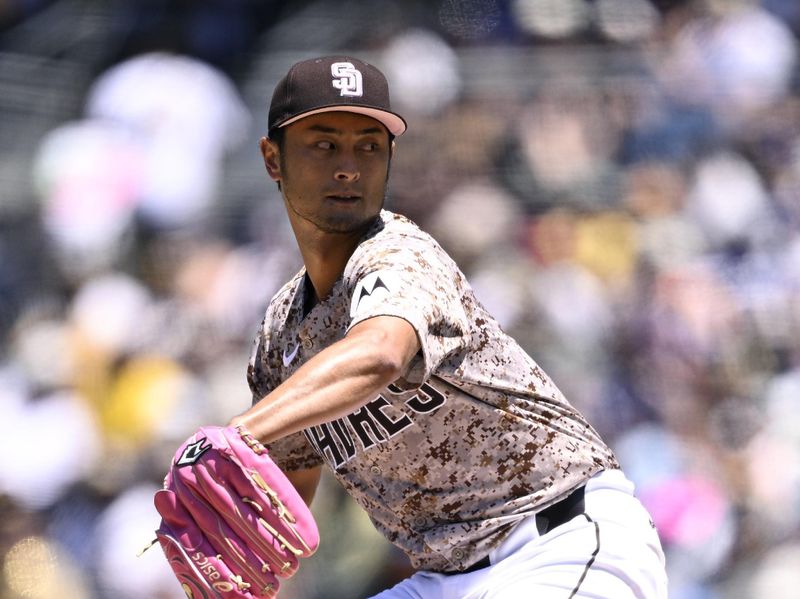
x=249 y=426
x=239 y=422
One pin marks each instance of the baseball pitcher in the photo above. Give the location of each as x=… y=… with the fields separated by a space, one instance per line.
x=377 y=362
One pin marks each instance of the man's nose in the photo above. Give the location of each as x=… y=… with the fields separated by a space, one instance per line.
x=347 y=172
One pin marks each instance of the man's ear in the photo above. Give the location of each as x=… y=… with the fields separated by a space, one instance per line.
x=270 y=153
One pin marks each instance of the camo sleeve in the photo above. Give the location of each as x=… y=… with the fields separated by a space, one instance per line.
x=413 y=279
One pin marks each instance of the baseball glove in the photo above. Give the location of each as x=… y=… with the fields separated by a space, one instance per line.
x=232 y=523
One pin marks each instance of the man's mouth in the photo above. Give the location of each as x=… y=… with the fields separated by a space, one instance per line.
x=343 y=197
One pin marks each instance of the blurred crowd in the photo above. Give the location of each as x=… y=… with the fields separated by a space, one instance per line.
x=619 y=180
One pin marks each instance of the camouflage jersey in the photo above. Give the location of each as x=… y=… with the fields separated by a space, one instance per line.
x=474 y=436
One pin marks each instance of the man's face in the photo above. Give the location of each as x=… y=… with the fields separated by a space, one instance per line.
x=333 y=170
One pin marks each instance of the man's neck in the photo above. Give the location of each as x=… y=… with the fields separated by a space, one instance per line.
x=325 y=254
x=325 y=259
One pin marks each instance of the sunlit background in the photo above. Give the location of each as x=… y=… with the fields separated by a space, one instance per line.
x=619 y=179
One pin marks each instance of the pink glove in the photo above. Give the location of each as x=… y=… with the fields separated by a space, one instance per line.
x=232 y=523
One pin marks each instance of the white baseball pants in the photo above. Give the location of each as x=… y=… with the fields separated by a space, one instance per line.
x=612 y=551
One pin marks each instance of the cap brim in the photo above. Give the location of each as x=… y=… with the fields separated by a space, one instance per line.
x=393 y=122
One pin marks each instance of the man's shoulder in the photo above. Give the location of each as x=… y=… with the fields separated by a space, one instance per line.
x=396 y=243
x=399 y=231
x=396 y=222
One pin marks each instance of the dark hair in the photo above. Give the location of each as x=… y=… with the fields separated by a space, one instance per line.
x=276 y=134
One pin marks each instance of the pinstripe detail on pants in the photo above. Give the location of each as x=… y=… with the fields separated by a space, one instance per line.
x=591 y=559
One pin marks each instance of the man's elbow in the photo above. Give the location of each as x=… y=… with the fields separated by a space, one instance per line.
x=386 y=360
x=387 y=345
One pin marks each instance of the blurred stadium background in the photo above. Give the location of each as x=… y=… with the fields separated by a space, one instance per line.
x=620 y=179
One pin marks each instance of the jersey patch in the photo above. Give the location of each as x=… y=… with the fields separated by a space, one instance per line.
x=372 y=290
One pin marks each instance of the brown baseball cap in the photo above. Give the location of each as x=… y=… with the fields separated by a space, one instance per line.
x=333 y=83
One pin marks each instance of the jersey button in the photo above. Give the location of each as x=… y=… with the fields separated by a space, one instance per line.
x=458 y=553
x=307 y=343
x=375 y=470
x=419 y=522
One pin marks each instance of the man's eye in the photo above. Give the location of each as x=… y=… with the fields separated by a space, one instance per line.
x=324 y=145
x=369 y=147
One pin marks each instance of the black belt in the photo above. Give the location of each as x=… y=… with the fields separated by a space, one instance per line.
x=546 y=520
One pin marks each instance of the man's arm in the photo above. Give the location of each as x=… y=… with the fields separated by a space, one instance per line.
x=336 y=381
x=306 y=482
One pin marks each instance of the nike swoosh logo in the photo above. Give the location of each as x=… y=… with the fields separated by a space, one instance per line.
x=192 y=453
x=288 y=358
